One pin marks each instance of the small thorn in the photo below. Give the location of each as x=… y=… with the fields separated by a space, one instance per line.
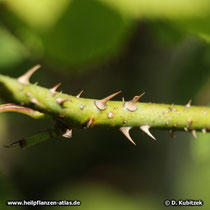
x=110 y=115
x=90 y=122
x=80 y=93
x=24 y=79
x=189 y=103
x=194 y=134
x=131 y=105
x=36 y=102
x=81 y=107
x=68 y=133
x=125 y=131
x=101 y=104
x=61 y=101
x=172 y=133
x=204 y=130
x=145 y=129
x=186 y=128
x=53 y=89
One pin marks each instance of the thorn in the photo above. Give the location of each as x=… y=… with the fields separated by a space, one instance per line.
x=53 y=89
x=125 y=131
x=81 y=107
x=189 y=122
x=145 y=129
x=194 y=134
x=204 y=130
x=172 y=133
x=101 y=104
x=89 y=122
x=204 y=112
x=110 y=115
x=186 y=128
x=80 y=93
x=68 y=134
x=131 y=105
x=61 y=101
x=21 y=143
x=189 y=103
x=36 y=102
x=24 y=79
x=12 y=145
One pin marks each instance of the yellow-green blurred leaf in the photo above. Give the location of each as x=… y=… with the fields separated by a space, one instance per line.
x=40 y=14
x=162 y=8
x=103 y=197
x=200 y=148
x=87 y=33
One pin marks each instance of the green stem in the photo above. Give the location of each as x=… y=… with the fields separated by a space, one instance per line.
x=32 y=140
x=81 y=112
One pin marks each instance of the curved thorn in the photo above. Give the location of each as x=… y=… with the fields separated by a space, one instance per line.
x=80 y=93
x=34 y=100
x=189 y=103
x=125 y=131
x=24 y=79
x=204 y=130
x=145 y=129
x=101 y=104
x=186 y=128
x=53 y=89
x=61 y=101
x=194 y=134
x=68 y=134
x=131 y=105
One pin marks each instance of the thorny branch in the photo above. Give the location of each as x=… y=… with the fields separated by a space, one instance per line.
x=75 y=112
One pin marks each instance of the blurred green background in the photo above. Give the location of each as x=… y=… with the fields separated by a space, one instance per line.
x=102 y=46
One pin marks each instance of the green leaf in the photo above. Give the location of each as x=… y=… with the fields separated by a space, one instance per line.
x=103 y=197
x=161 y=8
x=11 y=50
x=40 y=14
x=200 y=149
x=87 y=33
x=73 y=33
